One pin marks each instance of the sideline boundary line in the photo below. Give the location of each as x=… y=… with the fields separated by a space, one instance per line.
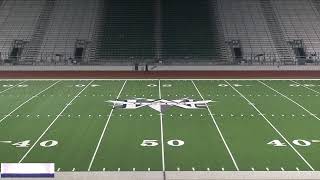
x=104 y=129
x=217 y=127
x=312 y=114
x=25 y=155
x=27 y=101
x=279 y=133
x=155 y=79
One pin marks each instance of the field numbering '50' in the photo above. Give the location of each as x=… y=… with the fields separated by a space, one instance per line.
x=27 y=143
x=152 y=143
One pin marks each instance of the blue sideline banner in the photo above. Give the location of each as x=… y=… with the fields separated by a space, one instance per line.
x=27 y=170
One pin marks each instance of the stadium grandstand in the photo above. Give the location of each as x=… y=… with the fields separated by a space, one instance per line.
x=160 y=89
x=45 y=32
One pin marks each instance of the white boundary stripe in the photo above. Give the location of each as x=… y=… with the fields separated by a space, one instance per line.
x=161 y=128
x=104 y=129
x=155 y=79
x=12 y=87
x=296 y=151
x=57 y=117
x=217 y=126
x=27 y=101
x=305 y=87
x=291 y=100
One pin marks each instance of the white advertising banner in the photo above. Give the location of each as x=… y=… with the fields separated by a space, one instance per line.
x=32 y=170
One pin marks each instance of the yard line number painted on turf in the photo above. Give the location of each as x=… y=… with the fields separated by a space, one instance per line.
x=11 y=85
x=303 y=85
x=235 y=85
x=153 y=143
x=163 y=85
x=84 y=85
x=298 y=142
x=27 y=143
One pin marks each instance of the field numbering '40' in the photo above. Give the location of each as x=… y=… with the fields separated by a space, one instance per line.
x=152 y=143
x=298 y=142
x=27 y=143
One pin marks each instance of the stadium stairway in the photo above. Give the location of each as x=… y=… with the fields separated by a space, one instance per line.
x=243 y=21
x=158 y=29
x=284 y=52
x=97 y=32
x=300 y=20
x=71 y=21
x=316 y=4
x=33 y=47
x=17 y=21
x=223 y=53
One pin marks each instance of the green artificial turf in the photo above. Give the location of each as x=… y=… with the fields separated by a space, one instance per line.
x=251 y=125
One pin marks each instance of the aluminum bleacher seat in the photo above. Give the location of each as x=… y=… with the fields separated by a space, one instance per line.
x=17 y=21
x=300 y=20
x=243 y=20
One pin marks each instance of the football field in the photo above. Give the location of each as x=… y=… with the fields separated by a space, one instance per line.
x=250 y=125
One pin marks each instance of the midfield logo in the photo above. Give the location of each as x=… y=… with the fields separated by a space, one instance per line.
x=159 y=105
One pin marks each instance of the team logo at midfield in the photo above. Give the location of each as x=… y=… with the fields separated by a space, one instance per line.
x=159 y=104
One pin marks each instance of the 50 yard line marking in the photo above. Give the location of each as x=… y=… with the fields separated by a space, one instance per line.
x=219 y=131
x=104 y=129
x=25 y=155
x=161 y=128
x=27 y=101
x=290 y=100
x=279 y=133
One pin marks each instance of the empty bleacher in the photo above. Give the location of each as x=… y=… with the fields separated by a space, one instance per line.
x=126 y=31
x=300 y=20
x=71 y=20
x=17 y=22
x=244 y=20
x=189 y=30
x=130 y=31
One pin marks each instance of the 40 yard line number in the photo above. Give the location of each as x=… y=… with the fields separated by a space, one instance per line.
x=297 y=142
x=27 y=143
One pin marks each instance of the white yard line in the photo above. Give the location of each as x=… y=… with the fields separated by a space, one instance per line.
x=27 y=101
x=280 y=134
x=104 y=129
x=217 y=126
x=161 y=129
x=312 y=114
x=154 y=79
x=12 y=87
x=305 y=87
x=57 y=117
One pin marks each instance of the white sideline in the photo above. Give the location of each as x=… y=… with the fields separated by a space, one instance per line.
x=104 y=129
x=12 y=87
x=25 y=155
x=187 y=175
x=297 y=152
x=154 y=79
x=161 y=128
x=217 y=126
x=291 y=100
x=305 y=87
x=27 y=101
